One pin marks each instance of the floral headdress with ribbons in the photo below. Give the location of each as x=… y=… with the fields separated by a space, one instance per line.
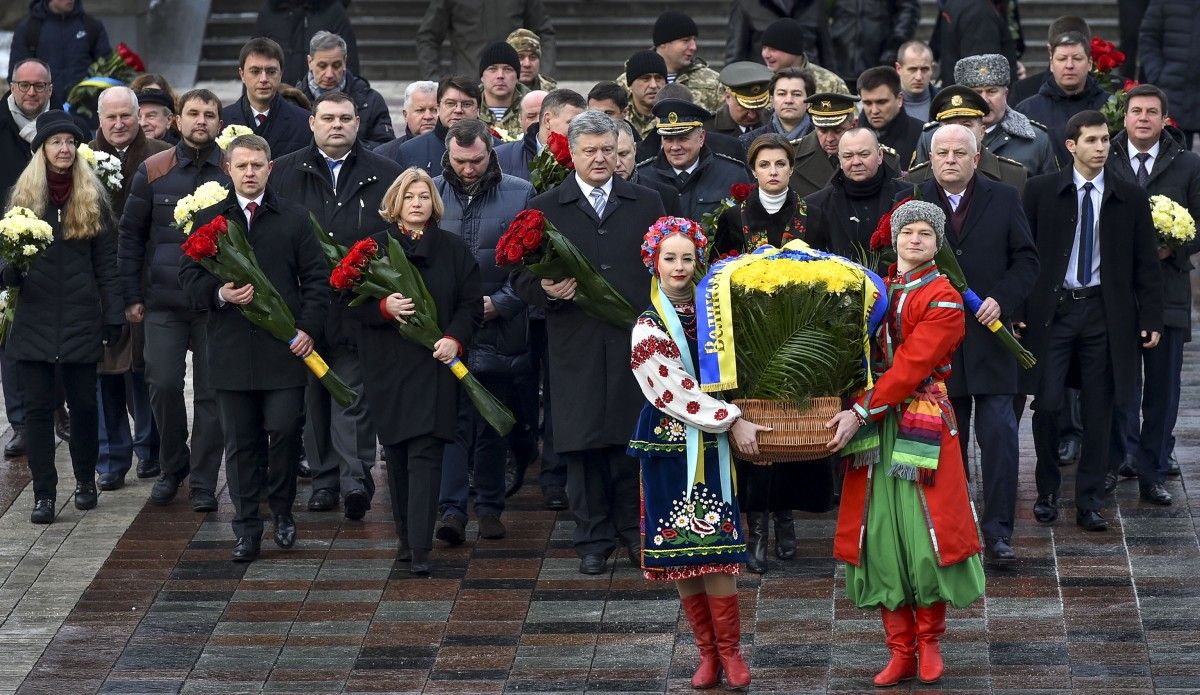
x=665 y=227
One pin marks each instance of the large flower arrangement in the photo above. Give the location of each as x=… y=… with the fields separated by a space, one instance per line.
x=106 y=167
x=23 y=236
x=1172 y=221
x=533 y=242
x=552 y=165
x=222 y=248
x=118 y=68
x=369 y=271
x=229 y=132
x=207 y=195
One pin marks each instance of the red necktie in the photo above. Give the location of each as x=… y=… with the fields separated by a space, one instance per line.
x=260 y=119
x=252 y=208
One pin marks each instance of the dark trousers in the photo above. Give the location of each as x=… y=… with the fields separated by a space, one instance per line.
x=339 y=442
x=554 y=470
x=414 y=468
x=996 y=432
x=41 y=400
x=248 y=418
x=122 y=396
x=1158 y=400
x=603 y=490
x=14 y=396
x=1078 y=332
x=475 y=444
x=169 y=336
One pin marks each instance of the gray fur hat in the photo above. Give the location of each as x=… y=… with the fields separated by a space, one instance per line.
x=919 y=211
x=987 y=70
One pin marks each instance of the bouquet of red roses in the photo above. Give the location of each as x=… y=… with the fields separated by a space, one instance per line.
x=222 y=249
x=533 y=242
x=372 y=272
x=552 y=164
x=118 y=68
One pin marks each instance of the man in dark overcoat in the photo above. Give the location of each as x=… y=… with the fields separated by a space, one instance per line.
x=261 y=108
x=342 y=183
x=258 y=379
x=596 y=400
x=1099 y=294
x=990 y=237
x=816 y=153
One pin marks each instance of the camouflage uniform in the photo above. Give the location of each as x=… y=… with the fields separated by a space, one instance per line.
x=641 y=124
x=544 y=83
x=827 y=80
x=509 y=126
x=701 y=80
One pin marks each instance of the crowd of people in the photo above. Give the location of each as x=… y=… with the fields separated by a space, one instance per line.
x=836 y=124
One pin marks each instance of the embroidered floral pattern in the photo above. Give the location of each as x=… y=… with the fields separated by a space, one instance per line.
x=693 y=407
x=670 y=430
x=705 y=521
x=687 y=384
x=721 y=414
x=662 y=370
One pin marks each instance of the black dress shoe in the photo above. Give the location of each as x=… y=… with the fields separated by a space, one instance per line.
x=356 y=504
x=111 y=481
x=85 y=495
x=322 y=500
x=514 y=476
x=785 y=536
x=1000 y=550
x=202 y=501
x=16 y=444
x=1110 y=482
x=554 y=498
x=1091 y=521
x=43 y=511
x=62 y=423
x=1156 y=493
x=593 y=563
x=1172 y=465
x=147 y=469
x=165 y=488
x=245 y=550
x=1068 y=451
x=1045 y=509
x=1128 y=467
x=285 y=530
x=420 y=564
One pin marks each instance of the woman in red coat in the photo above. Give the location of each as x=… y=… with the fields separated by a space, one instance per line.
x=907 y=529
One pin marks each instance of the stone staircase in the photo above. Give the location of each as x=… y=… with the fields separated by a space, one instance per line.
x=594 y=37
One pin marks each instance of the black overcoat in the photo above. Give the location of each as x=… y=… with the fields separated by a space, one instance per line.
x=1131 y=282
x=596 y=399
x=843 y=225
x=999 y=260
x=409 y=393
x=240 y=355
x=708 y=185
x=285 y=130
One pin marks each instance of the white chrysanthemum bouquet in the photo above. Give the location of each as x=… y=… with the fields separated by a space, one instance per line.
x=1172 y=221
x=106 y=167
x=229 y=133
x=206 y=195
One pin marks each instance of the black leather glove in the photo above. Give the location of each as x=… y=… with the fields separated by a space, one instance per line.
x=11 y=276
x=111 y=334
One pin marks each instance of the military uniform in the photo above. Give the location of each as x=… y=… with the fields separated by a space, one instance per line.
x=546 y=84
x=1016 y=136
x=703 y=81
x=749 y=83
x=523 y=40
x=509 y=126
x=814 y=168
x=642 y=125
x=826 y=80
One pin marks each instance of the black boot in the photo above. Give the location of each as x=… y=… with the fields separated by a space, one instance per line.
x=759 y=525
x=785 y=535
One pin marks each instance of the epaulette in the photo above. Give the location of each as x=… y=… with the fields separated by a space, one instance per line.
x=918 y=167
x=1009 y=160
x=722 y=155
x=648 y=160
x=887 y=149
x=1043 y=127
x=930 y=125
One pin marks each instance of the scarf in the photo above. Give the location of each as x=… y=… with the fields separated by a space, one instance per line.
x=60 y=187
x=26 y=126
x=317 y=91
x=773 y=203
x=795 y=133
x=863 y=189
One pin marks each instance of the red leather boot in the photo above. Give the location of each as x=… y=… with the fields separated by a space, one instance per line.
x=708 y=673
x=724 y=611
x=900 y=628
x=931 y=623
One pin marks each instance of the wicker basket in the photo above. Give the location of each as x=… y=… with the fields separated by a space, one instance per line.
x=799 y=434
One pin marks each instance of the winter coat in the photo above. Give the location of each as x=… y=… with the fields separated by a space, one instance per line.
x=374 y=119
x=1175 y=174
x=866 y=33
x=423 y=151
x=68 y=294
x=148 y=249
x=1054 y=107
x=968 y=28
x=292 y=24
x=1170 y=56
x=14 y=150
x=901 y=134
x=409 y=393
x=841 y=224
x=515 y=157
x=286 y=128
x=240 y=355
x=596 y=400
x=501 y=346
x=349 y=215
x=138 y=151
x=748 y=19
x=67 y=43
x=751 y=215
x=814 y=168
x=707 y=186
x=473 y=24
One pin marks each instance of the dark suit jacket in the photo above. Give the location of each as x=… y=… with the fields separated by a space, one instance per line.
x=241 y=356
x=1131 y=284
x=999 y=260
x=596 y=400
x=286 y=128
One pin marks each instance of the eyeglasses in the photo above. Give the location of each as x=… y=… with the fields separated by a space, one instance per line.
x=37 y=87
x=259 y=72
x=454 y=104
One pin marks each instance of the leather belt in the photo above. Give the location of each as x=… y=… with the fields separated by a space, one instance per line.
x=1080 y=292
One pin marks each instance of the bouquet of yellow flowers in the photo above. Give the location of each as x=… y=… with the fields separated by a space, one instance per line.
x=229 y=133
x=1172 y=221
x=207 y=195
x=106 y=167
x=23 y=236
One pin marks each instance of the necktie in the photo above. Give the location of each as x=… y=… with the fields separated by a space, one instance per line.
x=955 y=199
x=121 y=155
x=1087 y=223
x=682 y=178
x=252 y=208
x=1143 y=176
x=598 y=200
x=260 y=118
x=333 y=165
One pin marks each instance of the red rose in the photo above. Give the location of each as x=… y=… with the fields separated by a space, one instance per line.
x=131 y=59
x=531 y=238
x=741 y=191
x=1129 y=84
x=514 y=254
x=199 y=246
x=219 y=224
x=560 y=149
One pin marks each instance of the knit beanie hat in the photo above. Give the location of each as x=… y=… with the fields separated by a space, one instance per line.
x=644 y=63
x=499 y=52
x=52 y=123
x=672 y=25
x=922 y=211
x=785 y=35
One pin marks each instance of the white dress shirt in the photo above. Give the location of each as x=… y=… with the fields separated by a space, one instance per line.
x=1070 y=281
x=1133 y=160
x=587 y=189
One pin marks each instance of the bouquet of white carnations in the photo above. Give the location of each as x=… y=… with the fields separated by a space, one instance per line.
x=229 y=133
x=23 y=235
x=206 y=195
x=1172 y=221
x=106 y=167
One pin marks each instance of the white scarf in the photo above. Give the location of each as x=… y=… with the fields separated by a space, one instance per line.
x=772 y=203
x=27 y=126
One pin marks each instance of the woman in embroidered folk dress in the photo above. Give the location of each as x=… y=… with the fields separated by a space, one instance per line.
x=906 y=528
x=690 y=526
x=772 y=214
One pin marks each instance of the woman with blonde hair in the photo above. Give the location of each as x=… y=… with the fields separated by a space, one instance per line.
x=69 y=306
x=413 y=400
